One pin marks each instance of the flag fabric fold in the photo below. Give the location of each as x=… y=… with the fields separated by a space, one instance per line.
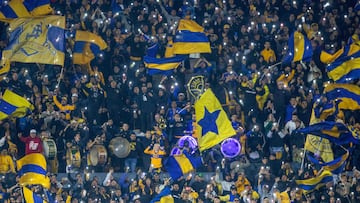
x=328 y=111
x=32 y=170
x=14 y=105
x=166 y=192
x=299 y=48
x=190 y=38
x=36 y=40
x=213 y=126
x=348 y=94
x=87 y=46
x=311 y=184
x=24 y=8
x=336 y=132
x=336 y=166
x=318 y=145
x=344 y=65
x=179 y=165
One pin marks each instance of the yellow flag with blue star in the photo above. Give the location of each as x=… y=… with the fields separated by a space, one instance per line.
x=212 y=124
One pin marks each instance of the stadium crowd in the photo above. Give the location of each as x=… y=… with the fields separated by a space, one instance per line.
x=79 y=107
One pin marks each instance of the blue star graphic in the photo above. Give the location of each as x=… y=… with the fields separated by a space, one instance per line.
x=208 y=122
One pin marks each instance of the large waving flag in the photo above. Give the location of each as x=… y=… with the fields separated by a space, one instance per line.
x=336 y=132
x=336 y=166
x=348 y=94
x=14 y=105
x=190 y=38
x=32 y=170
x=87 y=46
x=36 y=40
x=24 y=8
x=344 y=65
x=299 y=48
x=31 y=197
x=179 y=165
x=164 y=66
x=213 y=125
x=311 y=184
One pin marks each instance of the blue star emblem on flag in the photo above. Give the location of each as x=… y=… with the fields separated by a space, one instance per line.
x=208 y=123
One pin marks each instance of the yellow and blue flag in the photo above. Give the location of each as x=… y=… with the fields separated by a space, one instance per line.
x=318 y=145
x=190 y=38
x=189 y=25
x=87 y=46
x=212 y=124
x=36 y=40
x=336 y=132
x=14 y=105
x=336 y=166
x=317 y=182
x=348 y=94
x=32 y=170
x=179 y=165
x=31 y=197
x=344 y=65
x=24 y=8
x=299 y=48
x=164 y=66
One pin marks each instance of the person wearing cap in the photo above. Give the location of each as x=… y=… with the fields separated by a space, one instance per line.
x=33 y=143
x=64 y=106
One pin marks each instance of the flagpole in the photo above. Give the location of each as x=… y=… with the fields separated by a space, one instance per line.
x=276 y=64
x=22 y=195
x=59 y=80
x=303 y=160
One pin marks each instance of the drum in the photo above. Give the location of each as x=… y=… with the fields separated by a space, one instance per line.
x=192 y=143
x=230 y=148
x=120 y=147
x=50 y=149
x=73 y=157
x=98 y=155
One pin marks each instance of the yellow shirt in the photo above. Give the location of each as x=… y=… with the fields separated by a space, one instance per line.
x=6 y=164
x=286 y=78
x=240 y=184
x=67 y=108
x=156 y=157
x=267 y=54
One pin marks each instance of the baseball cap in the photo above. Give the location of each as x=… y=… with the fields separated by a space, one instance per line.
x=32 y=131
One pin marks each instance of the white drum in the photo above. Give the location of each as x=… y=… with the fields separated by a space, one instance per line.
x=50 y=149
